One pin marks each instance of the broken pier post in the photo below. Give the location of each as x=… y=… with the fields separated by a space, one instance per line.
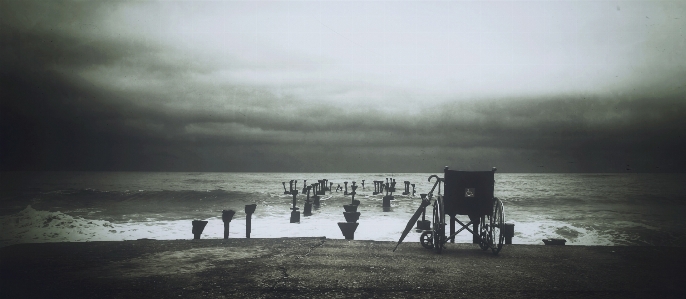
x=284 y=188
x=407 y=188
x=348 y=229
x=350 y=225
x=295 y=214
x=249 y=210
x=354 y=201
x=227 y=215
x=198 y=227
x=308 y=204
x=315 y=197
x=321 y=186
x=387 y=199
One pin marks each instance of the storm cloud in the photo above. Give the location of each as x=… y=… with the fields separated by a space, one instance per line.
x=285 y=86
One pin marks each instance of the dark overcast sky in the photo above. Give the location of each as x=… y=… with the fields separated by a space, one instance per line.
x=541 y=86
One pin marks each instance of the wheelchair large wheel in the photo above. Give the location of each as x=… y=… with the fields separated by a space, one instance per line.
x=496 y=227
x=484 y=233
x=427 y=239
x=438 y=225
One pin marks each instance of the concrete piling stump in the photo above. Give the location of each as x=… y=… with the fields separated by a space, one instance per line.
x=227 y=215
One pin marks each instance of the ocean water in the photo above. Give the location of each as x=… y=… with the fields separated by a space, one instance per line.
x=585 y=209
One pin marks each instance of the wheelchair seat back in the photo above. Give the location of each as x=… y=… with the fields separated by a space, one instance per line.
x=468 y=192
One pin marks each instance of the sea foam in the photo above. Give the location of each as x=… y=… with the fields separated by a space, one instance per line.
x=34 y=226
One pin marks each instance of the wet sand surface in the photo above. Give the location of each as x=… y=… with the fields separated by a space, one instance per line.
x=325 y=268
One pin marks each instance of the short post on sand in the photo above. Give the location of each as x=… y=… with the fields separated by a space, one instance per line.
x=227 y=215
x=249 y=210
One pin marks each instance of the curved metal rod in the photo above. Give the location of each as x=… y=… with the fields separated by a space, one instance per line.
x=438 y=180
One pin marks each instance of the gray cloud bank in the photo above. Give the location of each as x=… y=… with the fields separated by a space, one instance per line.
x=74 y=100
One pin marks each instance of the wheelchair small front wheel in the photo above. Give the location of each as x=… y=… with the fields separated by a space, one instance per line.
x=427 y=239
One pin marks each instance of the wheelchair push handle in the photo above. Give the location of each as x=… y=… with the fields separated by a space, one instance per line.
x=438 y=180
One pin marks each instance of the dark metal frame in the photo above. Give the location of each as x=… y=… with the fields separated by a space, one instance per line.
x=466 y=193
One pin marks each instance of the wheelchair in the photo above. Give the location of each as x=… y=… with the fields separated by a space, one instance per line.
x=467 y=193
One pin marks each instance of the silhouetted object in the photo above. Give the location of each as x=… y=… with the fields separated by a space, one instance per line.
x=348 y=229
x=407 y=188
x=315 y=197
x=339 y=188
x=362 y=184
x=198 y=227
x=320 y=188
x=376 y=188
x=330 y=187
x=423 y=224
x=413 y=191
x=387 y=199
x=467 y=193
x=508 y=231
x=227 y=215
x=284 y=188
x=325 y=186
x=351 y=216
x=410 y=224
x=554 y=241
x=295 y=214
x=290 y=187
x=249 y=210
x=354 y=201
x=308 y=209
x=350 y=208
x=393 y=185
x=308 y=204
x=304 y=186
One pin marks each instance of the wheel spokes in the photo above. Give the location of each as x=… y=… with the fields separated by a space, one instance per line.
x=497 y=222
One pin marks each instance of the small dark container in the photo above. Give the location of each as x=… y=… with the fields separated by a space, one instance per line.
x=424 y=224
x=508 y=231
x=554 y=241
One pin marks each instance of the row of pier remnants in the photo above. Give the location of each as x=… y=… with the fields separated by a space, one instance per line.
x=324 y=185
x=351 y=215
x=227 y=216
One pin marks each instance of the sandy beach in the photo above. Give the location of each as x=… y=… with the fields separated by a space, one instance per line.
x=320 y=267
